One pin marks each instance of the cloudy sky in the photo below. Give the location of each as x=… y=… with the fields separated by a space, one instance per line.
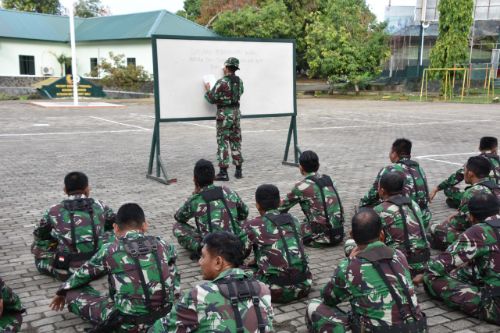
x=134 y=6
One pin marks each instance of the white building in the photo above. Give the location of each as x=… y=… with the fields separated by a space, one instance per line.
x=30 y=42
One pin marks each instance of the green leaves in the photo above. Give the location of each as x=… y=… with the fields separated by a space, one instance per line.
x=38 y=6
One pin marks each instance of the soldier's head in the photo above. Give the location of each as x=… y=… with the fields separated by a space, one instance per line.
x=130 y=216
x=221 y=251
x=488 y=144
x=391 y=183
x=482 y=206
x=231 y=65
x=267 y=197
x=366 y=226
x=476 y=168
x=204 y=173
x=76 y=183
x=400 y=148
x=308 y=162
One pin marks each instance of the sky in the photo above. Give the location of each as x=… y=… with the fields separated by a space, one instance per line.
x=135 y=6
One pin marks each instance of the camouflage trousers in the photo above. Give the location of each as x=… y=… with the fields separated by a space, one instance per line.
x=286 y=294
x=317 y=238
x=454 y=195
x=321 y=318
x=445 y=233
x=187 y=236
x=458 y=292
x=44 y=252
x=96 y=308
x=10 y=322
x=228 y=136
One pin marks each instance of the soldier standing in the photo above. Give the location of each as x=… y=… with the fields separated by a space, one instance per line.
x=320 y=202
x=467 y=275
x=488 y=146
x=214 y=208
x=476 y=173
x=280 y=261
x=231 y=300
x=415 y=184
x=226 y=94
x=11 y=310
x=376 y=280
x=142 y=274
x=70 y=232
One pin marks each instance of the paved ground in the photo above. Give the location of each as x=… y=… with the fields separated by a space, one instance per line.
x=39 y=146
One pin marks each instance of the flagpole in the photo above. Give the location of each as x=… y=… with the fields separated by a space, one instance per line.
x=74 y=70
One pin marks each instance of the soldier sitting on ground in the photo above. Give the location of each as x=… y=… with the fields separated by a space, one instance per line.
x=476 y=173
x=324 y=216
x=70 y=232
x=214 y=208
x=415 y=184
x=467 y=275
x=231 y=300
x=280 y=261
x=488 y=147
x=11 y=310
x=142 y=274
x=376 y=280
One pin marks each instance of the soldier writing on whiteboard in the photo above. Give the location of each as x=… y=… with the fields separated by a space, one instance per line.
x=226 y=95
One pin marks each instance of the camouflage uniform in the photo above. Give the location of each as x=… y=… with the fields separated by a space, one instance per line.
x=404 y=230
x=12 y=316
x=373 y=301
x=453 y=193
x=132 y=292
x=209 y=217
x=226 y=95
x=447 y=232
x=466 y=275
x=206 y=309
x=415 y=186
x=279 y=255
x=323 y=224
x=55 y=236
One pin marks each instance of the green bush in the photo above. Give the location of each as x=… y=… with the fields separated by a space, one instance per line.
x=118 y=74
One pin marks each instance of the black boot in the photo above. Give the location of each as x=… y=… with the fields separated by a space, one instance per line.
x=238 y=173
x=222 y=175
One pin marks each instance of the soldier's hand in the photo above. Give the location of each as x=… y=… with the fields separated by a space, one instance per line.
x=1 y=307
x=354 y=252
x=207 y=86
x=418 y=279
x=433 y=194
x=57 y=303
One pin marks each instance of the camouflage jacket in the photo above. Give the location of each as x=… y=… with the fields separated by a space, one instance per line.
x=477 y=249
x=56 y=225
x=205 y=309
x=219 y=218
x=458 y=176
x=125 y=285
x=277 y=256
x=308 y=195
x=393 y=224
x=11 y=302
x=357 y=281
x=227 y=91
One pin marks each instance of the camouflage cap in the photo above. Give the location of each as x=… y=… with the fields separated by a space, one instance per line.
x=231 y=61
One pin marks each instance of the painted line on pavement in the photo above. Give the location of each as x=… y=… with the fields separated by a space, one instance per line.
x=116 y=122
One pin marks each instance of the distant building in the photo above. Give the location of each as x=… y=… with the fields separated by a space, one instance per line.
x=30 y=42
x=399 y=17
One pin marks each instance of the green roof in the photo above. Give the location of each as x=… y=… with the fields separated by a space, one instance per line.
x=27 y=25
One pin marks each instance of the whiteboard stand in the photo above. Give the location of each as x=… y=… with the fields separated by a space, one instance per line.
x=292 y=134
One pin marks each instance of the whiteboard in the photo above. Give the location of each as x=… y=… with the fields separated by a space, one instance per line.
x=267 y=69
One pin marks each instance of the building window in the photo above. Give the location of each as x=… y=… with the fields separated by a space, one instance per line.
x=93 y=67
x=26 y=65
x=131 y=62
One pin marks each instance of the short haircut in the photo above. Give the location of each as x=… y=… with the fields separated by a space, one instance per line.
x=75 y=182
x=226 y=245
x=479 y=166
x=393 y=182
x=402 y=147
x=309 y=161
x=488 y=143
x=204 y=173
x=366 y=226
x=130 y=215
x=483 y=205
x=267 y=196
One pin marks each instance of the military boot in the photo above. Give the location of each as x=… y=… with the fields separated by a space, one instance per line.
x=238 y=173
x=222 y=175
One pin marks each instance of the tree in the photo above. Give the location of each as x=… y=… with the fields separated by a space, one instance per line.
x=90 y=8
x=118 y=74
x=38 y=6
x=211 y=9
x=191 y=10
x=62 y=59
x=344 y=43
